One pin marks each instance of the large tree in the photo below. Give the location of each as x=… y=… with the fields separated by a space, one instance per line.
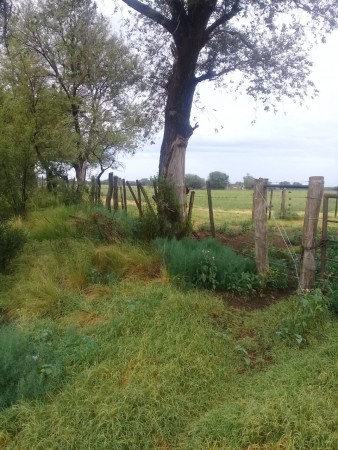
x=267 y=41
x=94 y=70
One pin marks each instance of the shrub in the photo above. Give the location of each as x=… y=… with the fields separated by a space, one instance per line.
x=207 y=264
x=12 y=241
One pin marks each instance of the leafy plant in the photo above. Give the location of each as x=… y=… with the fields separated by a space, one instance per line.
x=206 y=271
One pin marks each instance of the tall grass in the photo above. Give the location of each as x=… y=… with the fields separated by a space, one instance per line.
x=123 y=359
x=207 y=264
x=167 y=372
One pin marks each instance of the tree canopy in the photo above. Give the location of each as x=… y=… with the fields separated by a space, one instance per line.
x=218 y=180
x=261 y=47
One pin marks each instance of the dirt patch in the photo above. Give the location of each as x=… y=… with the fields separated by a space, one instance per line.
x=240 y=241
x=260 y=301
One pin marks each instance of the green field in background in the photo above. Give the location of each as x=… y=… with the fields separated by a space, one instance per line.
x=235 y=206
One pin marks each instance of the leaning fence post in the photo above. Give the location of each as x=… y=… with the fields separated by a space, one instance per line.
x=260 y=225
x=211 y=212
x=139 y=206
x=110 y=191
x=308 y=262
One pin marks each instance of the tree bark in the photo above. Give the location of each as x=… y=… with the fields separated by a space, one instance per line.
x=177 y=128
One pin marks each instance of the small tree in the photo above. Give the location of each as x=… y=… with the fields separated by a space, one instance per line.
x=218 y=180
x=194 y=181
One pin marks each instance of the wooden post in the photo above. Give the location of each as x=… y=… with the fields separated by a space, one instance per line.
x=141 y=189
x=124 y=194
x=110 y=191
x=116 y=193
x=282 y=206
x=324 y=236
x=135 y=198
x=270 y=203
x=191 y=204
x=121 y=195
x=260 y=225
x=211 y=212
x=139 y=198
x=308 y=262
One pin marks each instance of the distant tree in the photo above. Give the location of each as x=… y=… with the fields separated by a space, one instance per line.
x=286 y=183
x=218 y=180
x=146 y=182
x=194 y=181
x=296 y=183
x=248 y=181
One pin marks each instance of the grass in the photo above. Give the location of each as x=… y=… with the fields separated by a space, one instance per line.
x=135 y=363
x=233 y=207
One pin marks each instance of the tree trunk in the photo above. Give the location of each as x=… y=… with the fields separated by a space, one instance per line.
x=80 y=171
x=177 y=129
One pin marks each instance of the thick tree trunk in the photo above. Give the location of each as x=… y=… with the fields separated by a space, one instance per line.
x=80 y=171
x=177 y=128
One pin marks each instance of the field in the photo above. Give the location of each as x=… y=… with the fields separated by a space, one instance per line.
x=234 y=207
x=101 y=348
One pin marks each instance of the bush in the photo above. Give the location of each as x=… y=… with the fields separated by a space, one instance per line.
x=12 y=241
x=208 y=264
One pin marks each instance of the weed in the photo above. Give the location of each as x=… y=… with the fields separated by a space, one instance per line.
x=309 y=311
x=206 y=271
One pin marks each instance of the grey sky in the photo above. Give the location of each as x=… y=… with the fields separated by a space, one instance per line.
x=292 y=145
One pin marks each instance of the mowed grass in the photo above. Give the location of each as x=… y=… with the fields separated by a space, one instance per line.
x=234 y=207
x=137 y=364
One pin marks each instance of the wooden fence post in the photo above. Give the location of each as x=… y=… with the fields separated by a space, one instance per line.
x=124 y=194
x=139 y=206
x=191 y=204
x=270 y=203
x=282 y=206
x=211 y=212
x=110 y=191
x=116 y=193
x=260 y=225
x=308 y=262
x=139 y=197
x=145 y=195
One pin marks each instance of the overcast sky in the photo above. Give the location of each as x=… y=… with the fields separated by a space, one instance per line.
x=292 y=145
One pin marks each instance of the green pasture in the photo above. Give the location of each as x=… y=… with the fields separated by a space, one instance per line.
x=234 y=207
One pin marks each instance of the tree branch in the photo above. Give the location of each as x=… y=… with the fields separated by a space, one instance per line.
x=151 y=14
x=223 y=18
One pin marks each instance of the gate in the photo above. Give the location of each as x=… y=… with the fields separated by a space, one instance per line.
x=325 y=241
